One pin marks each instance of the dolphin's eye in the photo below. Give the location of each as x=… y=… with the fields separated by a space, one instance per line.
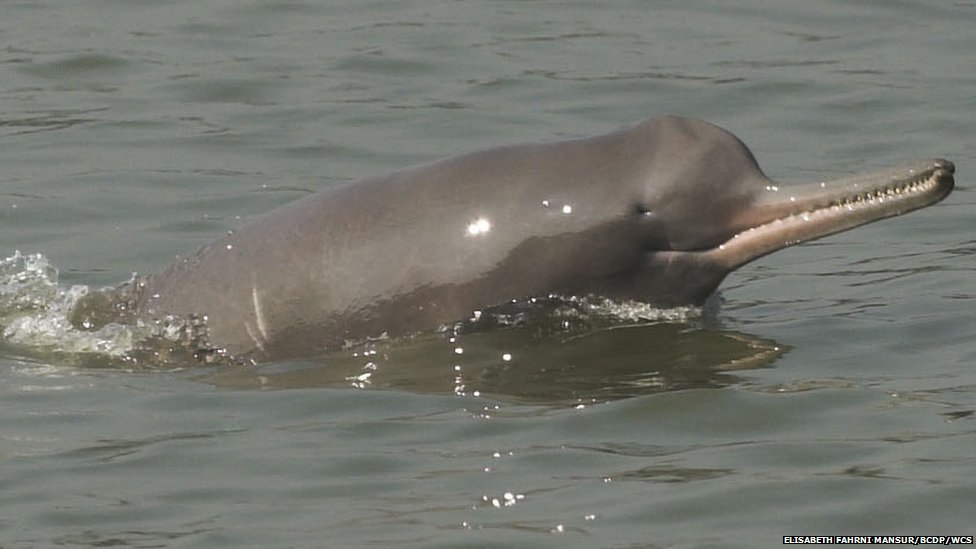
x=640 y=209
x=653 y=231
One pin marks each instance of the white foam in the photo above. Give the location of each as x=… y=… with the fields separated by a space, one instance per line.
x=34 y=312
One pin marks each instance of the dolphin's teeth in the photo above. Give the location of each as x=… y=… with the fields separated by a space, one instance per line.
x=863 y=198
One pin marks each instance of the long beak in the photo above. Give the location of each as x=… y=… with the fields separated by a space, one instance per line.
x=785 y=216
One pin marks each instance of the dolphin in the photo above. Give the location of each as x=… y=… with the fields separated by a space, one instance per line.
x=658 y=212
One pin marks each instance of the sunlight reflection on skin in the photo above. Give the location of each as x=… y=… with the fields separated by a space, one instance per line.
x=479 y=226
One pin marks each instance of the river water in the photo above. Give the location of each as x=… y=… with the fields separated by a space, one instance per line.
x=830 y=389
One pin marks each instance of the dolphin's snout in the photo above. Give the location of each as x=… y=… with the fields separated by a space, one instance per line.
x=943 y=164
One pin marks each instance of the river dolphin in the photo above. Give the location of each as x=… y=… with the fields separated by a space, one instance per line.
x=659 y=212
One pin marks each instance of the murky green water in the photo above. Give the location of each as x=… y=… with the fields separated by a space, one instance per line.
x=832 y=392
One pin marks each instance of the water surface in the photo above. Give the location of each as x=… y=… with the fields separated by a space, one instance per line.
x=135 y=131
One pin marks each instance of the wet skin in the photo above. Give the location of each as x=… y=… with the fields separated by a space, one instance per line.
x=659 y=212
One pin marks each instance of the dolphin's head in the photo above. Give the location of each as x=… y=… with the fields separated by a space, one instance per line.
x=706 y=208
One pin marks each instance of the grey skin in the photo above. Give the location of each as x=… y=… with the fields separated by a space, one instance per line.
x=659 y=212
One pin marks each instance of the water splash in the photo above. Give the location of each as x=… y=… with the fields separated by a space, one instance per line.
x=567 y=315
x=35 y=313
x=27 y=282
x=635 y=311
